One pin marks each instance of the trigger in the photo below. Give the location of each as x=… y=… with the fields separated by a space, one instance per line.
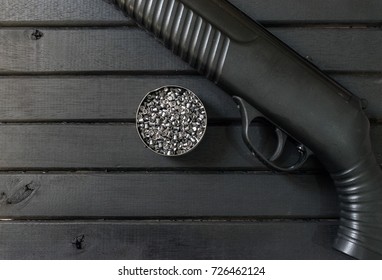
x=281 y=141
x=248 y=114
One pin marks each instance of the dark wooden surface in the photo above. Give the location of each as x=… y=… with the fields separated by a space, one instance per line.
x=168 y=240
x=72 y=167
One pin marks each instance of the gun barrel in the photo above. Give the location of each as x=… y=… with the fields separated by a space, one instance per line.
x=243 y=58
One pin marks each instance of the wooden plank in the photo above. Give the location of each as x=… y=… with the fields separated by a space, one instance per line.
x=63 y=98
x=105 y=146
x=168 y=240
x=59 y=13
x=110 y=98
x=87 y=50
x=132 y=50
x=91 y=12
x=112 y=147
x=100 y=195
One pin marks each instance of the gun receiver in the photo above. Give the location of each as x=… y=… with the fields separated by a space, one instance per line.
x=304 y=104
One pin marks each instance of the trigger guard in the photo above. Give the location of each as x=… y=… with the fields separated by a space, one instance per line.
x=249 y=114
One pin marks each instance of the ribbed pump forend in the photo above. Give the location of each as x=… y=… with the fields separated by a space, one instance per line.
x=187 y=34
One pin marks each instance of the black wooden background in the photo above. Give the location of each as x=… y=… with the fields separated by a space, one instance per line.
x=77 y=183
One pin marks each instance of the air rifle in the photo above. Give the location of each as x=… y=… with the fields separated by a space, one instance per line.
x=310 y=112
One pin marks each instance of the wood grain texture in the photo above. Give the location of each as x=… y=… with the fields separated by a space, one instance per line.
x=86 y=50
x=177 y=195
x=104 y=146
x=59 y=13
x=113 y=147
x=102 y=98
x=132 y=50
x=168 y=240
x=100 y=12
x=116 y=98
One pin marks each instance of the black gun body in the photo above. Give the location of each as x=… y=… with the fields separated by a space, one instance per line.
x=311 y=108
x=243 y=58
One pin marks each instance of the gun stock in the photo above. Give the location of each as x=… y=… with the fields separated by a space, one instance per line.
x=244 y=59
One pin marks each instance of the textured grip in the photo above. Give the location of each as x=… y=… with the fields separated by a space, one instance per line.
x=360 y=194
x=187 y=34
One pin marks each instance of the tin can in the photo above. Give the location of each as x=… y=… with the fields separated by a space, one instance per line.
x=171 y=120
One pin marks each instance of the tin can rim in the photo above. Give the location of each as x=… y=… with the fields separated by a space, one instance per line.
x=155 y=90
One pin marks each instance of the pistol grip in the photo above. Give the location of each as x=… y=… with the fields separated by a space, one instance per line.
x=360 y=194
